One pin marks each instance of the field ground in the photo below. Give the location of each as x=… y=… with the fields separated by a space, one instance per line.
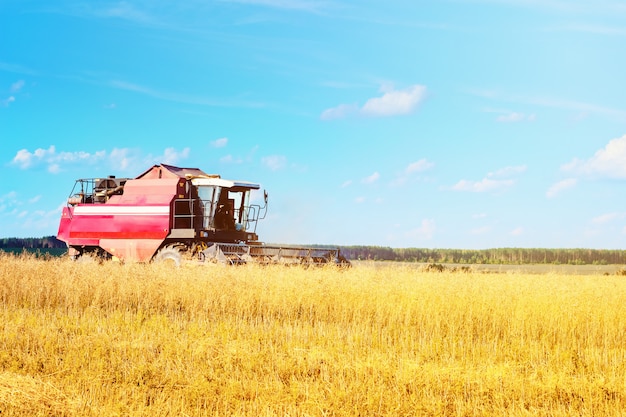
x=89 y=339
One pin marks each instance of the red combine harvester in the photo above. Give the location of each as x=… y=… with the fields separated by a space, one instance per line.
x=174 y=214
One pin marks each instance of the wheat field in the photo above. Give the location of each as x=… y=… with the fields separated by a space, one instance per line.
x=90 y=339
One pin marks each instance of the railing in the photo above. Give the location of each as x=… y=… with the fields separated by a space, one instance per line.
x=187 y=212
x=95 y=190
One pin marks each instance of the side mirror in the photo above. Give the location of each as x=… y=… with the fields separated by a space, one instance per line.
x=265 y=196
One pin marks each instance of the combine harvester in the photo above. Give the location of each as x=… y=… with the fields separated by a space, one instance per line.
x=174 y=214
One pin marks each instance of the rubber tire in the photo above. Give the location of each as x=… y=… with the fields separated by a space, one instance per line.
x=169 y=254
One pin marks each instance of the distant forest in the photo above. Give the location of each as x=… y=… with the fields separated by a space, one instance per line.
x=510 y=256
x=515 y=256
x=47 y=242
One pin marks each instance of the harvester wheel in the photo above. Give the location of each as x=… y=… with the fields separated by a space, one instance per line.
x=169 y=254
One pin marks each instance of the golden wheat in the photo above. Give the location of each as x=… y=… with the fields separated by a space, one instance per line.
x=82 y=339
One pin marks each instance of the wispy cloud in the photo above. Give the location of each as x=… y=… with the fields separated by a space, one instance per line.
x=608 y=217
x=310 y=6
x=591 y=29
x=340 y=112
x=508 y=116
x=564 y=6
x=480 y=230
x=508 y=172
x=13 y=89
x=16 y=68
x=413 y=169
x=183 y=98
x=391 y=103
x=543 y=101
x=123 y=10
x=561 y=186
x=229 y=159
x=219 y=143
x=425 y=231
x=371 y=178
x=16 y=86
x=274 y=162
x=514 y=117
x=484 y=185
x=5 y=102
x=608 y=162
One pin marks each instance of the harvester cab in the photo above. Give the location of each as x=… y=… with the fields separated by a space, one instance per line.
x=228 y=213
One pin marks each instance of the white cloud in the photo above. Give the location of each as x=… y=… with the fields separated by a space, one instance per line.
x=561 y=186
x=25 y=159
x=372 y=178
x=518 y=231
x=394 y=103
x=359 y=200
x=121 y=158
x=346 y=184
x=419 y=166
x=274 y=162
x=486 y=184
x=219 y=143
x=391 y=103
x=496 y=180
x=171 y=156
x=608 y=162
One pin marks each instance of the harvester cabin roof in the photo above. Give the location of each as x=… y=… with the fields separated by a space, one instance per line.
x=220 y=182
x=170 y=171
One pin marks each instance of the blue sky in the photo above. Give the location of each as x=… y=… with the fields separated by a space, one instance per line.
x=440 y=124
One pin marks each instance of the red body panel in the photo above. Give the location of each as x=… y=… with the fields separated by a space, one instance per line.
x=130 y=226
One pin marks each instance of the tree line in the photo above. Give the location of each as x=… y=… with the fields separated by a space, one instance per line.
x=47 y=242
x=515 y=256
